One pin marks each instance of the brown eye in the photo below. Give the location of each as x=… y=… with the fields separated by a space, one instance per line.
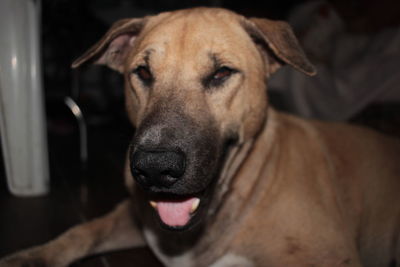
x=144 y=74
x=222 y=73
x=218 y=77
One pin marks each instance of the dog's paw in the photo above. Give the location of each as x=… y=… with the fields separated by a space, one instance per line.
x=18 y=262
x=23 y=259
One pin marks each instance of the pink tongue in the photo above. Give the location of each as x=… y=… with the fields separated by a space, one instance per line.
x=175 y=213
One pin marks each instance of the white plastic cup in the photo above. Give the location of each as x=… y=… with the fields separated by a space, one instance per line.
x=22 y=119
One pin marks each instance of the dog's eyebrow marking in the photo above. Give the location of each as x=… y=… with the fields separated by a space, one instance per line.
x=144 y=59
x=147 y=55
x=216 y=59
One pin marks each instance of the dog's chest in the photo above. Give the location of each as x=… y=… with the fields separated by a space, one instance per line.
x=184 y=259
x=188 y=260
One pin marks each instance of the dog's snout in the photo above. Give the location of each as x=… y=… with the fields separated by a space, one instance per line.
x=157 y=168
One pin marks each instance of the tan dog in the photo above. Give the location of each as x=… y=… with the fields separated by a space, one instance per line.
x=222 y=179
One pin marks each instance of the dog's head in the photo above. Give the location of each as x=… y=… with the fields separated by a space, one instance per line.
x=195 y=85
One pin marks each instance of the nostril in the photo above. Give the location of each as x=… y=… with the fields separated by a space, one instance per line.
x=166 y=180
x=141 y=178
x=160 y=168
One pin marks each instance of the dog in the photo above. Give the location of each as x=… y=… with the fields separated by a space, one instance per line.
x=218 y=177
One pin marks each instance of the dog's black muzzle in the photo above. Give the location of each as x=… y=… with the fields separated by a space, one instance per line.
x=173 y=154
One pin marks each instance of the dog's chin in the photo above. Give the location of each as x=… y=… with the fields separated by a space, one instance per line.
x=179 y=213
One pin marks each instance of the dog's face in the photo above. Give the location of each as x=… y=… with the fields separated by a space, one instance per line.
x=195 y=85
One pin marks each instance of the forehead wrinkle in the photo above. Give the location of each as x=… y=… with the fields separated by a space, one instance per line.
x=216 y=60
x=147 y=54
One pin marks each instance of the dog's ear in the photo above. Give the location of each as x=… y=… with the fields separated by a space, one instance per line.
x=277 y=37
x=115 y=45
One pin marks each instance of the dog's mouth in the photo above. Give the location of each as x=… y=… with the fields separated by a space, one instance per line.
x=176 y=213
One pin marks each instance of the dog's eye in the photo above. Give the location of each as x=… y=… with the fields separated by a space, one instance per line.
x=144 y=74
x=220 y=75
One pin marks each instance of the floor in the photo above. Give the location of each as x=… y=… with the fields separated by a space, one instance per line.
x=78 y=193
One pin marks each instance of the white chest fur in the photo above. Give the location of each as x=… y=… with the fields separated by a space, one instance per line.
x=184 y=260
x=232 y=260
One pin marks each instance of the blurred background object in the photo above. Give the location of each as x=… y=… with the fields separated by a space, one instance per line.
x=22 y=120
x=355 y=46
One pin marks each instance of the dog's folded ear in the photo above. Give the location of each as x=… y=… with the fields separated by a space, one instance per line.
x=113 y=48
x=277 y=37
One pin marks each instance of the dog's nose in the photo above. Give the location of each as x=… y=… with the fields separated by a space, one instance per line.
x=157 y=168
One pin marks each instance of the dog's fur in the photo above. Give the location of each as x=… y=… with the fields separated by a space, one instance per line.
x=275 y=190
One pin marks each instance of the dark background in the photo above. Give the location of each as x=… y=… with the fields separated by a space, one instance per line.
x=83 y=191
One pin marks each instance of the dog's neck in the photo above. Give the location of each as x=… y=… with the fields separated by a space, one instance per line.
x=253 y=149
x=243 y=181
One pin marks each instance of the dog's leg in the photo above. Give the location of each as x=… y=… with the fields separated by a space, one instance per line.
x=115 y=230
